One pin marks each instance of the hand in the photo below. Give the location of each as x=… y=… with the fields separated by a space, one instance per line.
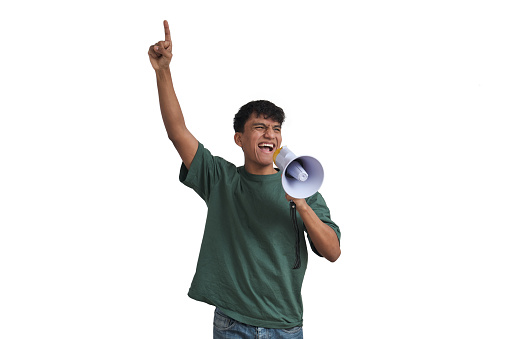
x=298 y=202
x=160 y=53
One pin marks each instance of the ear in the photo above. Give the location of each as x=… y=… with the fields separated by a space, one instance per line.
x=238 y=139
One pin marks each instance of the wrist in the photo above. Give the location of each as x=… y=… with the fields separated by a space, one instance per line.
x=163 y=70
x=163 y=75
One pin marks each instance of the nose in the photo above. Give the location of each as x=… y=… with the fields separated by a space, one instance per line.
x=269 y=133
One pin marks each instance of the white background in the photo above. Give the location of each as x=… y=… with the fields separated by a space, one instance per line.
x=404 y=102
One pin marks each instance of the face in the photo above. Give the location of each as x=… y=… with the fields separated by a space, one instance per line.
x=261 y=137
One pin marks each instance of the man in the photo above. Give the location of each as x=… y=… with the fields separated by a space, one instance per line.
x=246 y=263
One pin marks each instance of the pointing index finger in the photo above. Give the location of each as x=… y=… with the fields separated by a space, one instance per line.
x=167 y=36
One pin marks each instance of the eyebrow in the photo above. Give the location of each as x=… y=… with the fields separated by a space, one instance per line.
x=264 y=125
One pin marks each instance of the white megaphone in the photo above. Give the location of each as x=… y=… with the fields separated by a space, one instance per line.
x=301 y=176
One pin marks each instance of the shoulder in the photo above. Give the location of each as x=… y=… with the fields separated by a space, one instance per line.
x=205 y=162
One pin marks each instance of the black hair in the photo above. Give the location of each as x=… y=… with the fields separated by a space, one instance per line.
x=258 y=107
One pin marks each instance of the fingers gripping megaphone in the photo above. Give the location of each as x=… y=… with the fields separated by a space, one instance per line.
x=301 y=176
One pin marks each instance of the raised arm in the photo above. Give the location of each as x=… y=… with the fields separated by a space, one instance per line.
x=160 y=55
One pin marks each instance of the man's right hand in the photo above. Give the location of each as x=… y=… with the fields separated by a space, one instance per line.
x=160 y=53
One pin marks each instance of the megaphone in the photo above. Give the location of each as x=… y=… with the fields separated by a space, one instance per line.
x=302 y=176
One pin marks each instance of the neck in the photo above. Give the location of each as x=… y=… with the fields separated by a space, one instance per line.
x=259 y=170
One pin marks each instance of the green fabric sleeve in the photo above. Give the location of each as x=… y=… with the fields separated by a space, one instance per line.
x=317 y=203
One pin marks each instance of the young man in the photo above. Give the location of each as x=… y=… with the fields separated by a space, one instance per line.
x=246 y=262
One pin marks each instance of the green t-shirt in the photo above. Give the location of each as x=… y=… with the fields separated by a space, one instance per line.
x=245 y=266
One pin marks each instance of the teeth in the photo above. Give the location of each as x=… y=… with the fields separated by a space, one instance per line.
x=270 y=146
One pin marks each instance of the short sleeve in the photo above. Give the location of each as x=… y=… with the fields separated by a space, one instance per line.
x=317 y=203
x=204 y=173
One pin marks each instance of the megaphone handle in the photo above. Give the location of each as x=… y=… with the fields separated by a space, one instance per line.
x=293 y=214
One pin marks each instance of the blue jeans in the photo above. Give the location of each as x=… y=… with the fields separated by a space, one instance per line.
x=227 y=328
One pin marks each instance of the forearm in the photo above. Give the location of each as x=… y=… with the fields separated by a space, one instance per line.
x=185 y=143
x=323 y=237
x=170 y=108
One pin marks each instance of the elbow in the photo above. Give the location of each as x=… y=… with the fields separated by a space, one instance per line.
x=334 y=256
x=177 y=133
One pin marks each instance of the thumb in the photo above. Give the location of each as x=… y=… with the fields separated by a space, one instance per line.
x=160 y=48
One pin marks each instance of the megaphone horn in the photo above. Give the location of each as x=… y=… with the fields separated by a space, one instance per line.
x=301 y=176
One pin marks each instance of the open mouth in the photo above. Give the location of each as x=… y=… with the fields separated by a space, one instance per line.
x=266 y=147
